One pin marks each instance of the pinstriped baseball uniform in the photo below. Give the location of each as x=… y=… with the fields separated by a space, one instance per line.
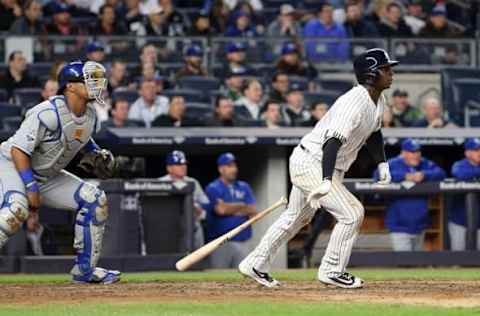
x=352 y=119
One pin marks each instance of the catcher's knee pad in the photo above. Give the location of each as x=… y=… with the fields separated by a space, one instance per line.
x=89 y=226
x=13 y=212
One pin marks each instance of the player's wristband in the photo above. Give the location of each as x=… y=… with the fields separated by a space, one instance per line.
x=30 y=183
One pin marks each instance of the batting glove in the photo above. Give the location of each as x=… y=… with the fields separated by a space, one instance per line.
x=384 y=173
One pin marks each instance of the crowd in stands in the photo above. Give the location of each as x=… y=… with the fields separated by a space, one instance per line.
x=237 y=93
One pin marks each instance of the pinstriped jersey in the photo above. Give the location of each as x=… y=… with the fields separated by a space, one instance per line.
x=352 y=119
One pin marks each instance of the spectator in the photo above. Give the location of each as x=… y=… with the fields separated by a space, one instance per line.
x=95 y=52
x=291 y=63
x=294 y=112
x=231 y=204
x=177 y=170
x=242 y=27
x=175 y=116
x=61 y=23
x=407 y=217
x=193 y=63
x=285 y=25
x=224 y=114
x=202 y=26
x=50 y=89
x=415 y=18
x=107 y=23
x=256 y=5
x=317 y=111
x=387 y=119
x=279 y=88
x=166 y=21
x=55 y=69
x=149 y=73
x=236 y=59
x=40 y=238
x=355 y=23
x=438 y=27
x=404 y=114
x=119 y=116
x=9 y=11
x=233 y=85
x=249 y=105
x=16 y=76
x=433 y=115
x=324 y=27
x=467 y=169
x=134 y=19
x=118 y=76
x=148 y=54
x=219 y=14
x=30 y=23
x=392 y=24
x=272 y=115
x=149 y=105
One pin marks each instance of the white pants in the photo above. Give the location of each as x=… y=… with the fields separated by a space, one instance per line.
x=229 y=255
x=407 y=242
x=306 y=175
x=458 y=237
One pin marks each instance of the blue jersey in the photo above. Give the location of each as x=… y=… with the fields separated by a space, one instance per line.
x=462 y=170
x=410 y=214
x=218 y=225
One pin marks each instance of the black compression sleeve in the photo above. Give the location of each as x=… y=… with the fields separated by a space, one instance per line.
x=375 y=147
x=330 y=151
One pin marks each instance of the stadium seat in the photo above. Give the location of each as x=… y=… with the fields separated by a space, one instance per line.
x=201 y=83
x=335 y=85
x=39 y=70
x=129 y=95
x=9 y=110
x=199 y=110
x=27 y=97
x=190 y=95
x=11 y=123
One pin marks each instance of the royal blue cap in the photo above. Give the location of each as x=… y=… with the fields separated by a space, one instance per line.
x=472 y=144
x=411 y=145
x=94 y=47
x=289 y=48
x=176 y=157
x=225 y=159
x=59 y=7
x=236 y=47
x=194 y=50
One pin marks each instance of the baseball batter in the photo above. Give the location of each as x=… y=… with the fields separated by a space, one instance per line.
x=33 y=159
x=317 y=167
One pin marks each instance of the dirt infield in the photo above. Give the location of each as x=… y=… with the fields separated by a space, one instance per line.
x=433 y=293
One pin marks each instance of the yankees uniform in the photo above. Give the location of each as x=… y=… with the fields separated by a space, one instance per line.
x=350 y=121
x=52 y=135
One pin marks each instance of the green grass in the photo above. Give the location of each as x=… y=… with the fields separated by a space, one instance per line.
x=287 y=275
x=241 y=309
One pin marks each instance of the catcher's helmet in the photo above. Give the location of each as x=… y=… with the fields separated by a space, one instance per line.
x=90 y=73
x=367 y=64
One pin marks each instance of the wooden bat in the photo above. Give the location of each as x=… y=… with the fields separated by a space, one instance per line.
x=187 y=261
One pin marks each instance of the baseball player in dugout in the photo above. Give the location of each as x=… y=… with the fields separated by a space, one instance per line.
x=317 y=167
x=32 y=166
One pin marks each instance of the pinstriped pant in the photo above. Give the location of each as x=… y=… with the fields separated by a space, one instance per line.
x=306 y=174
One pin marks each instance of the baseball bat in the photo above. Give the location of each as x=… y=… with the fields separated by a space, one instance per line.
x=189 y=260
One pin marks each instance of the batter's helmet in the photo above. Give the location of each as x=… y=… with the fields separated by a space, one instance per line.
x=367 y=64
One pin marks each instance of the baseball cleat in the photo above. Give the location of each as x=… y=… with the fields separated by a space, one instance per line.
x=261 y=277
x=98 y=276
x=344 y=280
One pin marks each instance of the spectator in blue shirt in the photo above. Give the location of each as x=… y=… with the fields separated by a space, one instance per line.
x=407 y=217
x=325 y=27
x=231 y=204
x=242 y=27
x=467 y=169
